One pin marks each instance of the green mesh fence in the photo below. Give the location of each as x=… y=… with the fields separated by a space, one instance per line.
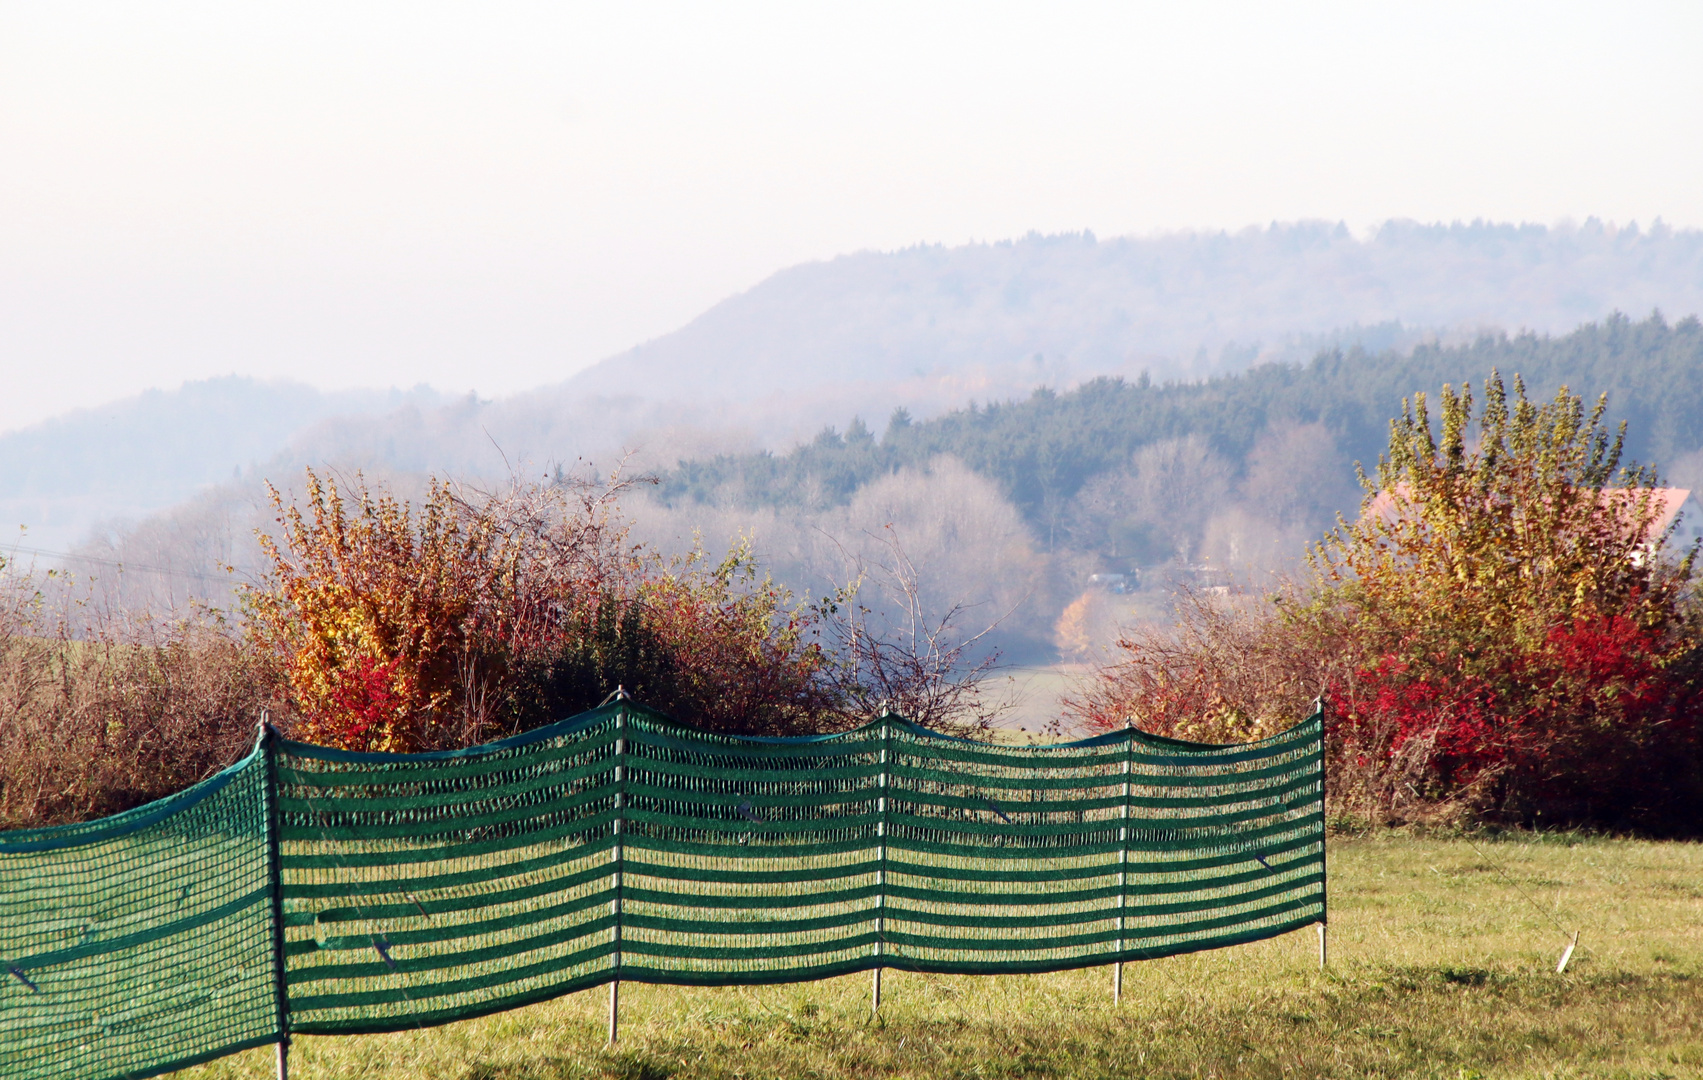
x=418 y=889
x=142 y=942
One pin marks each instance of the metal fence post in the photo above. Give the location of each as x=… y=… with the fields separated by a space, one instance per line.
x=274 y=860
x=881 y=866
x=1324 y=858
x=1123 y=872
x=616 y=856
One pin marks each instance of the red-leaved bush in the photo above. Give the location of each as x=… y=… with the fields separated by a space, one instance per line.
x=1502 y=633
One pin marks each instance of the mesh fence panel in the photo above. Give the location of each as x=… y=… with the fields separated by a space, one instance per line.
x=419 y=889
x=424 y=888
x=1006 y=859
x=141 y=942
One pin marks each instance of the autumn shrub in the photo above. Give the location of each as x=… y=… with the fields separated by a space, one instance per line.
x=1503 y=632
x=1227 y=668
x=387 y=624
x=480 y=615
x=718 y=645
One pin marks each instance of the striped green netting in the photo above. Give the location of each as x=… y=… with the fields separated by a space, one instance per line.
x=424 y=888
x=142 y=942
x=418 y=889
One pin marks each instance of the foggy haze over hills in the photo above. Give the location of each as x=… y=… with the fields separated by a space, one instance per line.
x=926 y=328
x=1177 y=306
x=130 y=458
x=1061 y=516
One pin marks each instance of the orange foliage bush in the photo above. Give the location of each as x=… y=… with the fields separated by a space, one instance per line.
x=381 y=619
x=482 y=615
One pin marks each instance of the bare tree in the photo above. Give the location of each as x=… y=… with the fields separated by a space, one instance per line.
x=901 y=656
x=1156 y=506
x=1297 y=478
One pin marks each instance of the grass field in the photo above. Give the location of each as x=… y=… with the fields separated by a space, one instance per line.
x=1443 y=954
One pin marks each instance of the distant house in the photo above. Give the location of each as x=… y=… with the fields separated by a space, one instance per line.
x=1114 y=583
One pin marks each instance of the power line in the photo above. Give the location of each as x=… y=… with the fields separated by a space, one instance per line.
x=1539 y=908
x=120 y=565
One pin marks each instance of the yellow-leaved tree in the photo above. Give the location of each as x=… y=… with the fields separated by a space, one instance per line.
x=1504 y=630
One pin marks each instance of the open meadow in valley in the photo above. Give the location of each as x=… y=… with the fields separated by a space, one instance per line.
x=1443 y=951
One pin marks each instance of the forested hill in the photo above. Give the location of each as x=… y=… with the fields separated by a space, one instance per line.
x=1044 y=449
x=1066 y=308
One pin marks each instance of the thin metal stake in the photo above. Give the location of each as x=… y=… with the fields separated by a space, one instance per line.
x=617 y=856
x=268 y=739
x=1324 y=847
x=1567 y=954
x=1123 y=878
x=881 y=867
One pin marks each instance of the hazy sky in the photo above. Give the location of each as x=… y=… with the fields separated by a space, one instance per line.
x=490 y=195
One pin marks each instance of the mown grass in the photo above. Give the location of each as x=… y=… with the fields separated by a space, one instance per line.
x=1443 y=954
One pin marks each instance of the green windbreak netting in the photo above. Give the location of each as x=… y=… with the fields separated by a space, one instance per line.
x=405 y=890
x=422 y=888
x=141 y=942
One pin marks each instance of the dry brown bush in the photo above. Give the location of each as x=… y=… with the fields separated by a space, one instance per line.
x=1223 y=671
x=109 y=718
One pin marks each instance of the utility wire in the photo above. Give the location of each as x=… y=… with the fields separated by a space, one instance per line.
x=1528 y=897
x=121 y=565
x=1503 y=874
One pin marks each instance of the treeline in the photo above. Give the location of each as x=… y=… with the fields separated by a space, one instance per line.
x=1545 y=665
x=1045 y=450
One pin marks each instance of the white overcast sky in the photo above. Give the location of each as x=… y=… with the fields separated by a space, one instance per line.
x=490 y=196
